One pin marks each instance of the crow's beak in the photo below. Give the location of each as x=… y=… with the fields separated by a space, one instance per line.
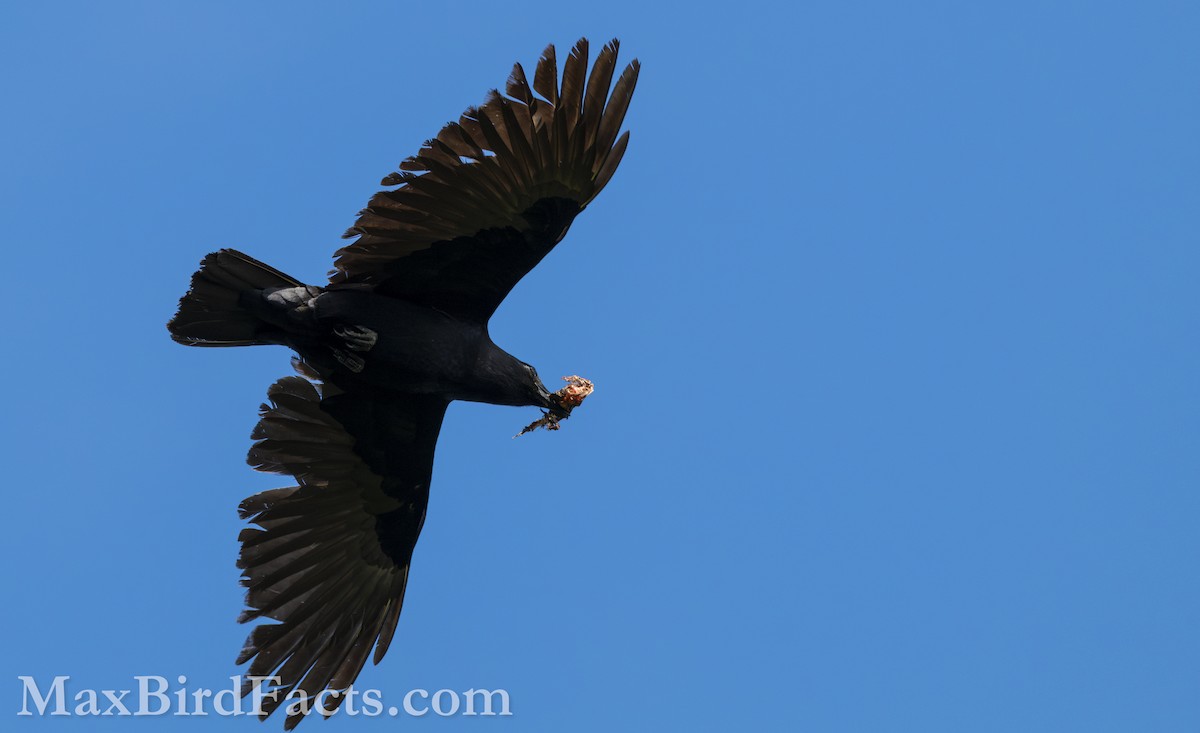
x=559 y=411
x=550 y=402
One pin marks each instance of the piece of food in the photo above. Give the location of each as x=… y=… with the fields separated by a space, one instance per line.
x=568 y=397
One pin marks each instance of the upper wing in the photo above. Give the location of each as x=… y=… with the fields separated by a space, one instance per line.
x=331 y=559
x=491 y=195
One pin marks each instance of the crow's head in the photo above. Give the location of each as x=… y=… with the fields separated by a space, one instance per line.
x=510 y=381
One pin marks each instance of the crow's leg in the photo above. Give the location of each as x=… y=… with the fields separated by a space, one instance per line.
x=353 y=362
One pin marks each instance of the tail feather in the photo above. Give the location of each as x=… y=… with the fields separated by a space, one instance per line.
x=211 y=314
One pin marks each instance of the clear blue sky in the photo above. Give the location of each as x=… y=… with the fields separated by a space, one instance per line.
x=892 y=311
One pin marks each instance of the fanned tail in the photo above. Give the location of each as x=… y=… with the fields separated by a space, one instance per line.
x=211 y=313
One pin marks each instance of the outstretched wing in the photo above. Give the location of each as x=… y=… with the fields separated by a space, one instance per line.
x=491 y=195
x=329 y=559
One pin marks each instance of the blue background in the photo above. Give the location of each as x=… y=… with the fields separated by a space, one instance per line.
x=891 y=308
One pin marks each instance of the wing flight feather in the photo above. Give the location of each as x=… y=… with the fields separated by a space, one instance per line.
x=495 y=190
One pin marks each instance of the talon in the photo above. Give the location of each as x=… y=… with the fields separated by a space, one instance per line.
x=357 y=338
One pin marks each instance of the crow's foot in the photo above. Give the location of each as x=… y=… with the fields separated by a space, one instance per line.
x=357 y=338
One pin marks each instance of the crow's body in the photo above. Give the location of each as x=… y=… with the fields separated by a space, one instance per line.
x=397 y=334
x=357 y=338
x=417 y=349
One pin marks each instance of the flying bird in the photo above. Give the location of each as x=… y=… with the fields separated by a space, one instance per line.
x=398 y=332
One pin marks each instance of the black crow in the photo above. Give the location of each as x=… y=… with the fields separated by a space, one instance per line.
x=400 y=330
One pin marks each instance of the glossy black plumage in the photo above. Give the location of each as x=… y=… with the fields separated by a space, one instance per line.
x=398 y=332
